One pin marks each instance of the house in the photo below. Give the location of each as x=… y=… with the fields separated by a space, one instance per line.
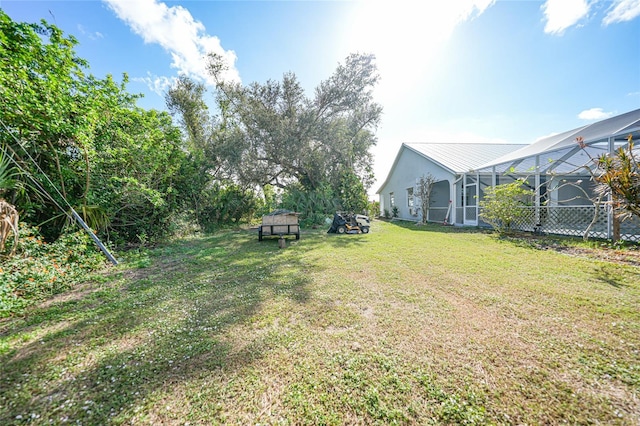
x=448 y=164
x=557 y=168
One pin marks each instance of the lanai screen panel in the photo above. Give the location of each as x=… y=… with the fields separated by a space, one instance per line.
x=563 y=147
x=609 y=127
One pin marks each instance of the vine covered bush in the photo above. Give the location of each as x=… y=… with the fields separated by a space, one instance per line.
x=40 y=269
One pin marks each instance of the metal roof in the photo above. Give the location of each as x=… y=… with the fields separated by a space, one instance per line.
x=618 y=127
x=462 y=157
x=457 y=158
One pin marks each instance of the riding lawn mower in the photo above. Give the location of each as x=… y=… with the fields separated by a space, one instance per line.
x=349 y=223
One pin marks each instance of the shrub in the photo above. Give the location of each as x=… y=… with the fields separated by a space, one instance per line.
x=502 y=205
x=41 y=269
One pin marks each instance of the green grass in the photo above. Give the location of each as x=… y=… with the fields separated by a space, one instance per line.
x=405 y=325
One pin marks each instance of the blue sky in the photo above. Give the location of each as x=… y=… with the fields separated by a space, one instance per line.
x=451 y=71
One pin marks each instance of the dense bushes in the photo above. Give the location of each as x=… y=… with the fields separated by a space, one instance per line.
x=228 y=204
x=40 y=269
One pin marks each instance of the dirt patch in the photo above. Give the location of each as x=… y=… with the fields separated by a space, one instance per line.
x=625 y=256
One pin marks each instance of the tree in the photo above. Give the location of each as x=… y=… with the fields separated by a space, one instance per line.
x=314 y=206
x=82 y=139
x=213 y=175
x=185 y=100
x=287 y=137
x=502 y=205
x=424 y=188
x=51 y=108
x=136 y=167
x=42 y=86
x=617 y=178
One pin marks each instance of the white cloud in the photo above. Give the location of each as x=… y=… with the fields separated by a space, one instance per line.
x=93 y=36
x=621 y=11
x=177 y=32
x=545 y=136
x=594 y=114
x=158 y=84
x=562 y=14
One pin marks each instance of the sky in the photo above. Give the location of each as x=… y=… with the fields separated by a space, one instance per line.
x=450 y=71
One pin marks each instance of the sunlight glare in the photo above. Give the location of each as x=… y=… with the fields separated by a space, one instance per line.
x=407 y=36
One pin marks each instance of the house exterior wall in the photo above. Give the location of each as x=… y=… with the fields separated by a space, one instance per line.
x=409 y=167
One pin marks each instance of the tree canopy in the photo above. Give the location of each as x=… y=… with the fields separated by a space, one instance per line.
x=81 y=139
x=283 y=136
x=273 y=134
x=71 y=140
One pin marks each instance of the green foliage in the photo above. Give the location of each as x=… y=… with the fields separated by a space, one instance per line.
x=283 y=137
x=135 y=177
x=373 y=209
x=8 y=174
x=353 y=196
x=272 y=135
x=140 y=199
x=270 y=200
x=502 y=205
x=314 y=206
x=50 y=107
x=185 y=100
x=395 y=212
x=619 y=177
x=41 y=269
x=114 y=162
x=226 y=204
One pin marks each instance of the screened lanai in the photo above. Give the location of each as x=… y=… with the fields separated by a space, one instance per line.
x=558 y=168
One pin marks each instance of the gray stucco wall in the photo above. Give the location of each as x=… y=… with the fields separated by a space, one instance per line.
x=408 y=167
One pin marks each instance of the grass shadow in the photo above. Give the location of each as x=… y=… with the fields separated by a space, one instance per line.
x=101 y=356
x=607 y=276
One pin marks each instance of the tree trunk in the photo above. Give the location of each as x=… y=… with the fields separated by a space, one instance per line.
x=616 y=228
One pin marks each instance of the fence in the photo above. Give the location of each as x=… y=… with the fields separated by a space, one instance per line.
x=575 y=220
x=559 y=220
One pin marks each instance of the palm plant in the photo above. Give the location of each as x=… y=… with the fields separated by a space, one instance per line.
x=8 y=212
x=8 y=175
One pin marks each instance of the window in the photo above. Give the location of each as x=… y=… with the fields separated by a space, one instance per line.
x=410 y=198
x=392 y=200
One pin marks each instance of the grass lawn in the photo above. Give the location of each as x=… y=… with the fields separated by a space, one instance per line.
x=405 y=325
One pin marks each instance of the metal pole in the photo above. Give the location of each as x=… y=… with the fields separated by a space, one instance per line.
x=538 y=195
x=610 y=212
x=94 y=237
